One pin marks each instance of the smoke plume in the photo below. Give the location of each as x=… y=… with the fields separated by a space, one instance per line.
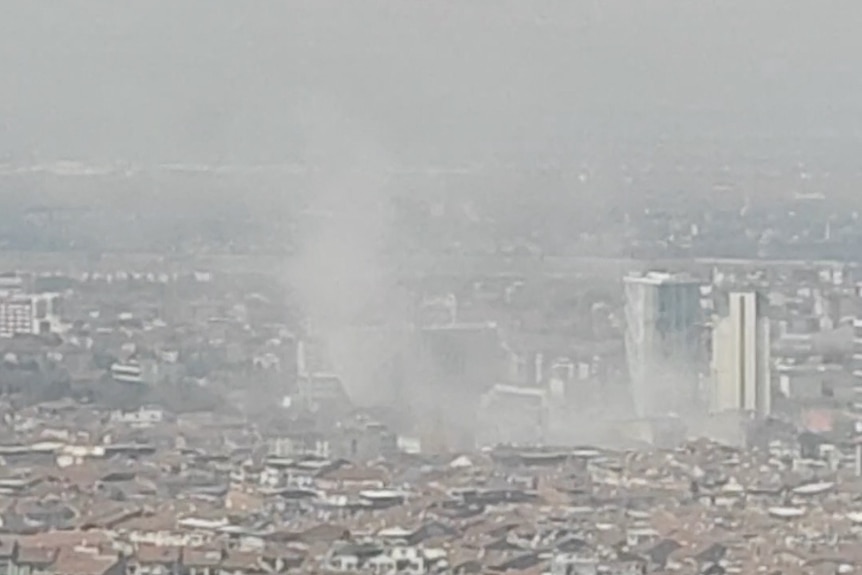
x=339 y=273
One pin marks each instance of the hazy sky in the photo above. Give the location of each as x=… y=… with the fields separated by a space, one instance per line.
x=167 y=80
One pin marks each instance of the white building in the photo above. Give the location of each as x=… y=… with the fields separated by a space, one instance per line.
x=11 y=283
x=741 y=357
x=134 y=371
x=145 y=416
x=664 y=349
x=511 y=414
x=857 y=347
x=24 y=314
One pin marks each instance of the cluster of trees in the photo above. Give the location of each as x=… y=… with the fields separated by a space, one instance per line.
x=183 y=397
x=32 y=382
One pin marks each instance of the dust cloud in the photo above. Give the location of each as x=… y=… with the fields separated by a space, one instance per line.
x=338 y=274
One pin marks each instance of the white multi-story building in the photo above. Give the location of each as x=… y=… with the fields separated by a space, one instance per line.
x=23 y=314
x=664 y=345
x=741 y=357
x=137 y=371
x=856 y=364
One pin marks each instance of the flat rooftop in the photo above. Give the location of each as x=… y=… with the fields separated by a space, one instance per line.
x=662 y=278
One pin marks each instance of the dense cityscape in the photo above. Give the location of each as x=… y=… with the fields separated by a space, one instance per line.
x=339 y=404
x=569 y=287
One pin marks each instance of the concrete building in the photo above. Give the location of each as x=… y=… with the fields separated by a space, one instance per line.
x=513 y=415
x=16 y=316
x=741 y=357
x=145 y=416
x=449 y=370
x=813 y=383
x=23 y=314
x=856 y=363
x=664 y=348
x=135 y=371
x=11 y=283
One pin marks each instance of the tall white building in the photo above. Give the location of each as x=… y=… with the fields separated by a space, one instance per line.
x=741 y=357
x=856 y=364
x=24 y=314
x=664 y=346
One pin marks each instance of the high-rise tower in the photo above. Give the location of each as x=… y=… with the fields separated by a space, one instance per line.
x=741 y=356
x=663 y=342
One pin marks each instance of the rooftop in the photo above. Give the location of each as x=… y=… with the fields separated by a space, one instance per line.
x=662 y=278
